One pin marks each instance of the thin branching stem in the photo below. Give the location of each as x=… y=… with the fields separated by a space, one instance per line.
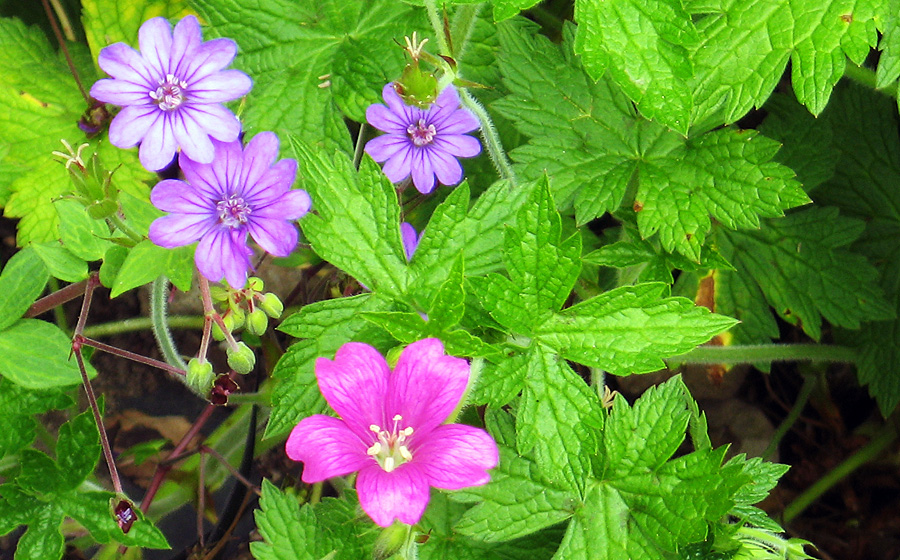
x=65 y=50
x=129 y=355
x=809 y=383
x=159 y=297
x=142 y=324
x=59 y=297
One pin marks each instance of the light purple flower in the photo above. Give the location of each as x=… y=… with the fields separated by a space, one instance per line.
x=410 y=239
x=423 y=143
x=171 y=92
x=242 y=191
x=391 y=429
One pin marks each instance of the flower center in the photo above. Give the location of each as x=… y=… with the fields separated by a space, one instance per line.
x=170 y=94
x=233 y=211
x=420 y=133
x=391 y=449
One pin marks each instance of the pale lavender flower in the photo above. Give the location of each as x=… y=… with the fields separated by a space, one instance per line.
x=242 y=191
x=424 y=143
x=171 y=92
x=391 y=429
x=410 y=239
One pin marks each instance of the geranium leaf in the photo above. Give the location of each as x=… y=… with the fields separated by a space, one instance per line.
x=34 y=354
x=21 y=282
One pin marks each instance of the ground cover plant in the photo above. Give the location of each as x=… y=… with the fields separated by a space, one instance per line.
x=412 y=269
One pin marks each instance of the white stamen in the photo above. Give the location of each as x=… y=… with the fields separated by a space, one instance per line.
x=391 y=449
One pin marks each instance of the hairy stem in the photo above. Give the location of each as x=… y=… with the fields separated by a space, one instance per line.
x=766 y=353
x=159 y=296
x=360 y=144
x=212 y=315
x=865 y=77
x=464 y=19
x=490 y=137
x=120 y=224
x=809 y=383
x=142 y=324
x=437 y=23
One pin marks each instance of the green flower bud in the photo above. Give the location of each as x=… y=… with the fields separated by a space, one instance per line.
x=241 y=358
x=218 y=293
x=271 y=305
x=200 y=376
x=217 y=332
x=257 y=322
x=417 y=87
x=238 y=316
x=255 y=284
x=392 y=540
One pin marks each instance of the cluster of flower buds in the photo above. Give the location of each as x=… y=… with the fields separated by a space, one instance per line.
x=93 y=182
x=248 y=308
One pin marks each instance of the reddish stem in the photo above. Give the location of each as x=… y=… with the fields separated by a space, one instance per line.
x=128 y=355
x=59 y=297
x=65 y=50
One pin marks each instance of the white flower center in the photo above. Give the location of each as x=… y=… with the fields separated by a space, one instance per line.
x=233 y=211
x=420 y=133
x=170 y=94
x=391 y=449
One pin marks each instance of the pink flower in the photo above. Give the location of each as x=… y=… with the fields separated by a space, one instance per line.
x=391 y=429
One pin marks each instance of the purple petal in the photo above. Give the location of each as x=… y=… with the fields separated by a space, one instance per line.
x=132 y=124
x=393 y=100
x=274 y=184
x=422 y=172
x=219 y=87
x=172 y=195
x=459 y=145
x=386 y=120
x=192 y=138
x=446 y=167
x=177 y=230
x=401 y=494
x=121 y=92
x=445 y=104
x=226 y=166
x=186 y=39
x=398 y=166
x=216 y=121
x=209 y=58
x=384 y=147
x=259 y=155
x=158 y=146
x=457 y=456
x=327 y=448
x=155 y=41
x=410 y=239
x=124 y=63
x=201 y=176
x=290 y=206
x=426 y=385
x=355 y=384
x=277 y=237
x=460 y=121
x=221 y=253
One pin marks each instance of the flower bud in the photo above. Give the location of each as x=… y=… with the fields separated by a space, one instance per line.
x=217 y=332
x=238 y=316
x=271 y=305
x=417 y=87
x=218 y=293
x=391 y=540
x=257 y=322
x=241 y=358
x=255 y=284
x=200 y=376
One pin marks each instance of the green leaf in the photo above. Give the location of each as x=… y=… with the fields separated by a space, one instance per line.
x=77 y=449
x=21 y=282
x=16 y=507
x=289 y=532
x=763 y=477
x=505 y=9
x=889 y=63
x=356 y=225
x=17 y=409
x=84 y=236
x=38 y=473
x=108 y=21
x=500 y=382
x=34 y=354
x=61 y=262
x=298 y=57
x=630 y=329
x=42 y=540
x=147 y=262
x=517 y=502
x=92 y=510
x=645 y=47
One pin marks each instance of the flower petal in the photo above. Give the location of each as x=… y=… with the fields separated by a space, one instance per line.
x=384 y=147
x=422 y=171
x=158 y=146
x=457 y=456
x=385 y=120
x=172 y=195
x=460 y=121
x=459 y=145
x=401 y=494
x=446 y=167
x=426 y=385
x=177 y=230
x=274 y=184
x=410 y=239
x=201 y=176
x=327 y=448
x=290 y=206
x=216 y=121
x=227 y=166
x=124 y=63
x=186 y=39
x=219 y=87
x=221 y=253
x=355 y=385
x=155 y=41
x=132 y=124
x=399 y=165
x=444 y=106
x=121 y=92
x=277 y=237
x=192 y=138
x=259 y=155
x=209 y=58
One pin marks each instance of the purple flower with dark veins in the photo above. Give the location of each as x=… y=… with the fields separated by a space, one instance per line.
x=242 y=191
x=171 y=92
x=391 y=429
x=424 y=143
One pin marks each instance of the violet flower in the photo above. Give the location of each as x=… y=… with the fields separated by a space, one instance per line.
x=423 y=143
x=410 y=239
x=391 y=429
x=171 y=92
x=242 y=191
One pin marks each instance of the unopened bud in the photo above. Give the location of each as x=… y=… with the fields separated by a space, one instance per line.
x=391 y=540
x=200 y=376
x=238 y=316
x=217 y=332
x=257 y=322
x=241 y=358
x=218 y=293
x=271 y=305
x=255 y=284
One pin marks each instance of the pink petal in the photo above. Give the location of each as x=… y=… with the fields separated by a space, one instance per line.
x=172 y=195
x=221 y=86
x=426 y=386
x=401 y=494
x=209 y=58
x=384 y=147
x=158 y=146
x=422 y=172
x=132 y=124
x=289 y=206
x=277 y=237
x=124 y=63
x=385 y=120
x=355 y=384
x=456 y=456
x=155 y=41
x=177 y=230
x=226 y=166
x=327 y=448
x=192 y=138
x=186 y=39
x=259 y=155
x=121 y=92
x=215 y=120
x=393 y=100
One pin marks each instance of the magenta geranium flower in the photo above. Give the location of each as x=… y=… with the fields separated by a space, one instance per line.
x=242 y=191
x=391 y=429
x=424 y=143
x=171 y=92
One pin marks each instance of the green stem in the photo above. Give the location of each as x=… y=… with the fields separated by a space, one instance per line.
x=437 y=23
x=142 y=324
x=124 y=228
x=315 y=495
x=885 y=437
x=158 y=299
x=490 y=137
x=764 y=353
x=464 y=19
x=865 y=77
x=59 y=314
x=809 y=383
x=360 y=145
